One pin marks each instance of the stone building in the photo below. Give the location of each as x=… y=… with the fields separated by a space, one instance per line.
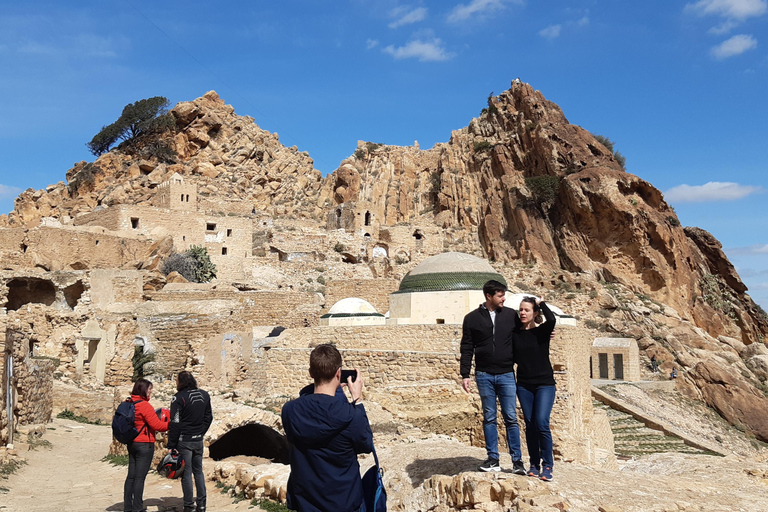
x=616 y=359
x=352 y=311
x=228 y=235
x=442 y=289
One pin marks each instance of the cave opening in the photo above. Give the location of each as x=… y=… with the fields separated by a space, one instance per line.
x=25 y=290
x=252 y=440
x=73 y=292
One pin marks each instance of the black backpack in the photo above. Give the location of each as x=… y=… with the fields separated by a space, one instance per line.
x=123 y=422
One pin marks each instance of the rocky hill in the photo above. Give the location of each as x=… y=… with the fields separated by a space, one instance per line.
x=520 y=184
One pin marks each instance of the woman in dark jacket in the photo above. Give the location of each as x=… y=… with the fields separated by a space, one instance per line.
x=142 y=449
x=535 y=383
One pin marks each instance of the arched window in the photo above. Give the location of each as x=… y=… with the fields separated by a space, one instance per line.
x=367 y=218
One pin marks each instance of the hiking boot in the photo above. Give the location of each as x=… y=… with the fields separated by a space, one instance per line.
x=518 y=467
x=546 y=474
x=533 y=471
x=490 y=465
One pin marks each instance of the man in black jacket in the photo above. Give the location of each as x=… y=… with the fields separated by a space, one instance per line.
x=191 y=416
x=487 y=335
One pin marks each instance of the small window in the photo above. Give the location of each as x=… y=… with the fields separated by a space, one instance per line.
x=229 y=232
x=134 y=222
x=367 y=218
x=223 y=251
x=183 y=238
x=182 y=198
x=187 y=197
x=440 y=320
x=210 y=226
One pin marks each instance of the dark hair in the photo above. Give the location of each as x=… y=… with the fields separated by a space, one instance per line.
x=185 y=380
x=493 y=287
x=324 y=361
x=141 y=388
x=532 y=301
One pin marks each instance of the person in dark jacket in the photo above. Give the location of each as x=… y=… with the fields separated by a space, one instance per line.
x=487 y=335
x=535 y=383
x=326 y=432
x=142 y=448
x=191 y=415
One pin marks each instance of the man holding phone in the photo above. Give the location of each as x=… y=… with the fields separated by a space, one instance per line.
x=326 y=432
x=487 y=336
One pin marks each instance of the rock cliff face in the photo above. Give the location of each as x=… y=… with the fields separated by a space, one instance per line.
x=533 y=187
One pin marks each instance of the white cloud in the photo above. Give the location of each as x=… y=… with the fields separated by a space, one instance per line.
x=7 y=192
x=463 y=12
x=423 y=50
x=551 y=32
x=731 y=9
x=736 y=45
x=710 y=192
x=749 y=251
x=406 y=16
x=723 y=28
x=371 y=43
x=584 y=20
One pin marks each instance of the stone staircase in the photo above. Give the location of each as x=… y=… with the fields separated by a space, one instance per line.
x=633 y=439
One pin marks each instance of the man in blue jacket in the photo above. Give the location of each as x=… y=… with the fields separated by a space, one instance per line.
x=326 y=432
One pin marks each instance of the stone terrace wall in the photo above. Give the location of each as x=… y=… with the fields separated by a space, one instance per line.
x=258 y=308
x=386 y=355
x=11 y=239
x=375 y=291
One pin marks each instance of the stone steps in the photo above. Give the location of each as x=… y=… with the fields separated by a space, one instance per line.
x=633 y=439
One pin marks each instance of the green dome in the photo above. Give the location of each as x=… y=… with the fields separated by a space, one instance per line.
x=449 y=271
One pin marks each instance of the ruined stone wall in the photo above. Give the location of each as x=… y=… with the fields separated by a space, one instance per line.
x=11 y=240
x=375 y=291
x=109 y=286
x=32 y=378
x=68 y=248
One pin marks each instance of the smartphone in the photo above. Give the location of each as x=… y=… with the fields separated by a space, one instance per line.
x=348 y=373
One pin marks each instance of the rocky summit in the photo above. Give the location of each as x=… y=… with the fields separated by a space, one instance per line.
x=547 y=203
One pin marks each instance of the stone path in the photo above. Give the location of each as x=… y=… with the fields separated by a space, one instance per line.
x=69 y=476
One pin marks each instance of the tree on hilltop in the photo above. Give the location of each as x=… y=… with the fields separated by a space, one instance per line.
x=143 y=117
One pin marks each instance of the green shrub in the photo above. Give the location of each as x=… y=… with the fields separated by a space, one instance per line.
x=321 y=279
x=543 y=188
x=139 y=359
x=481 y=145
x=10 y=467
x=339 y=247
x=609 y=145
x=359 y=153
x=66 y=414
x=269 y=505
x=673 y=221
x=194 y=265
x=116 y=460
x=713 y=294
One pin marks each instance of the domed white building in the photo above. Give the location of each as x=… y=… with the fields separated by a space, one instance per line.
x=441 y=289
x=352 y=311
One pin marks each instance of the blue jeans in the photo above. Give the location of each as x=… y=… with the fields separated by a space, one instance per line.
x=536 y=403
x=192 y=453
x=139 y=459
x=502 y=386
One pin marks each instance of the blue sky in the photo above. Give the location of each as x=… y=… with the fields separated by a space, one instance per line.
x=679 y=86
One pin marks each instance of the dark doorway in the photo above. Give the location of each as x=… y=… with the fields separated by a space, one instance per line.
x=602 y=363
x=251 y=440
x=618 y=366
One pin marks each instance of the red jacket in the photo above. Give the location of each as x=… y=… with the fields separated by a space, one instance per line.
x=146 y=421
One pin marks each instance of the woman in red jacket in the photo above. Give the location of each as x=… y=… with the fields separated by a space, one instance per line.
x=142 y=449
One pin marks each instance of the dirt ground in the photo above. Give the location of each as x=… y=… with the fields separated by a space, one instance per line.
x=70 y=476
